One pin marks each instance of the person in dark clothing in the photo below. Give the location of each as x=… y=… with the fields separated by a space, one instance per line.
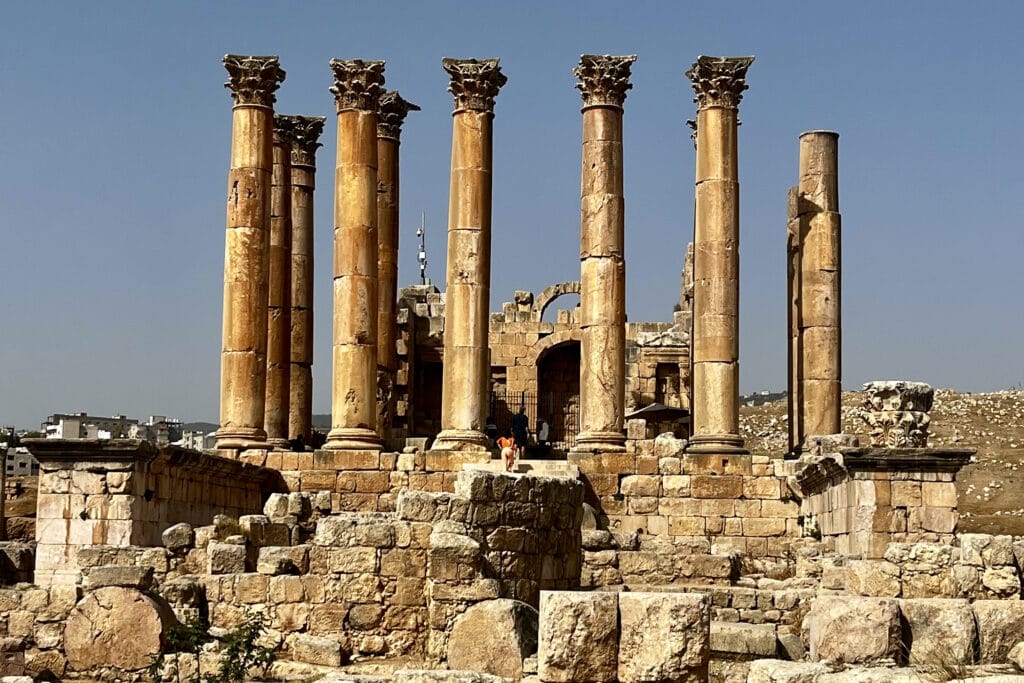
x=521 y=430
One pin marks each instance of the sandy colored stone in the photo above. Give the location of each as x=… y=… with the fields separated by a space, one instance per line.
x=579 y=637
x=875 y=578
x=664 y=637
x=776 y=671
x=939 y=631
x=319 y=650
x=1000 y=625
x=114 y=626
x=511 y=628
x=855 y=629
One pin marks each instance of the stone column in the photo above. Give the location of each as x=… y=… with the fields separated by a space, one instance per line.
x=719 y=83
x=253 y=81
x=357 y=86
x=279 y=317
x=306 y=132
x=793 y=404
x=820 y=368
x=474 y=85
x=604 y=81
x=393 y=110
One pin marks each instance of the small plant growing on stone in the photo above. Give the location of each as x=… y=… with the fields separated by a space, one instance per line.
x=241 y=652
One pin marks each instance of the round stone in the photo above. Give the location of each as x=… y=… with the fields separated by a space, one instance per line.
x=113 y=626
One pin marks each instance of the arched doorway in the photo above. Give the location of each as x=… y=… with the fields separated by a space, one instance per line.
x=558 y=393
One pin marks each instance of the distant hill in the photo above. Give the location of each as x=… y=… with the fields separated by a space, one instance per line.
x=322 y=421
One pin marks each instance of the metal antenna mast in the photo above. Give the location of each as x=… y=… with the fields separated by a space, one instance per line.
x=422 y=234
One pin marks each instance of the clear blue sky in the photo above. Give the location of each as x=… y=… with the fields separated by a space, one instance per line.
x=114 y=154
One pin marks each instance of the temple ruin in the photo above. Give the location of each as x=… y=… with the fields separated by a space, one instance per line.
x=640 y=549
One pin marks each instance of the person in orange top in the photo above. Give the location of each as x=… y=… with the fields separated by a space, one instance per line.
x=507 y=444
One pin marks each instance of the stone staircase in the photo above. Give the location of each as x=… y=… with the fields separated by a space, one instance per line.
x=542 y=468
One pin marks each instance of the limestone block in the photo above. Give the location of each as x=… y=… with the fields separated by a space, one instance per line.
x=511 y=633
x=668 y=446
x=664 y=637
x=114 y=626
x=449 y=676
x=178 y=538
x=855 y=629
x=1016 y=655
x=743 y=639
x=641 y=485
x=873 y=578
x=129 y=577
x=579 y=637
x=314 y=649
x=276 y=560
x=776 y=671
x=939 y=631
x=225 y=558
x=985 y=550
x=716 y=486
x=1000 y=625
x=452 y=556
x=1002 y=582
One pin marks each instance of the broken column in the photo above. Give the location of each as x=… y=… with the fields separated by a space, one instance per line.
x=393 y=110
x=818 y=310
x=253 y=81
x=719 y=83
x=279 y=317
x=306 y=132
x=357 y=86
x=604 y=81
x=474 y=85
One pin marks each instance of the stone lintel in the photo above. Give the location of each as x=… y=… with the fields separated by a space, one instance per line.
x=393 y=110
x=820 y=472
x=474 y=82
x=357 y=83
x=719 y=81
x=252 y=79
x=604 y=79
x=305 y=138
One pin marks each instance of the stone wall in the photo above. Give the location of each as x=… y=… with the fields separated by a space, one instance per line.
x=655 y=488
x=124 y=492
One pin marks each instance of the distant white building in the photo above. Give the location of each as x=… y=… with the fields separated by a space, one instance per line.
x=18 y=462
x=198 y=441
x=85 y=426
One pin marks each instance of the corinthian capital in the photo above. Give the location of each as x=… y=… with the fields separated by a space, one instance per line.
x=393 y=110
x=284 y=130
x=305 y=136
x=604 y=79
x=357 y=83
x=253 y=80
x=719 y=81
x=474 y=82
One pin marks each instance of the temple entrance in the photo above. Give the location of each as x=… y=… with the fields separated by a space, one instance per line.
x=558 y=393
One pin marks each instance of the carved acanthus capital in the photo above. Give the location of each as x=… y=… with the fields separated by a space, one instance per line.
x=604 y=79
x=284 y=130
x=474 y=82
x=897 y=413
x=719 y=81
x=305 y=136
x=357 y=83
x=253 y=80
x=393 y=110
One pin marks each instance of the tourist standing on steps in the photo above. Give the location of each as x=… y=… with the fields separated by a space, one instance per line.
x=521 y=430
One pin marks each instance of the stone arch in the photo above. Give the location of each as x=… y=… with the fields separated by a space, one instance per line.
x=544 y=344
x=544 y=299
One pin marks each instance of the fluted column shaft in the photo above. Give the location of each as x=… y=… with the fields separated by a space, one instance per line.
x=354 y=390
x=306 y=133
x=604 y=81
x=393 y=110
x=253 y=81
x=719 y=83
x=466 y=369
x=820 y=368
x=279 y=316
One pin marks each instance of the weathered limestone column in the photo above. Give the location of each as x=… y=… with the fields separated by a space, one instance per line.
x=357 y=86
x=253 y=81
x=604 y=81
x=474 y=85
x=393 y=110
x=306 y=132
x=279 y=316
x=819 y=322
x=719 y=83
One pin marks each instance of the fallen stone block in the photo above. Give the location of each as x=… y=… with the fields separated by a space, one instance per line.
x=178 y=538
x=314 y=649
x=128 y=577
x=873 y=578
x=114 y=626
x=225 y=558
x=857 y=630
x=579 y=637
x=743 y=639
x=940 y=631
x=510 y=630
x=1000 y=627
x=664 y=637
x=277 y=560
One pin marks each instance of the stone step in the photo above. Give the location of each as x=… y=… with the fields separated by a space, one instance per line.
x=743 y=639
x=543 y=468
